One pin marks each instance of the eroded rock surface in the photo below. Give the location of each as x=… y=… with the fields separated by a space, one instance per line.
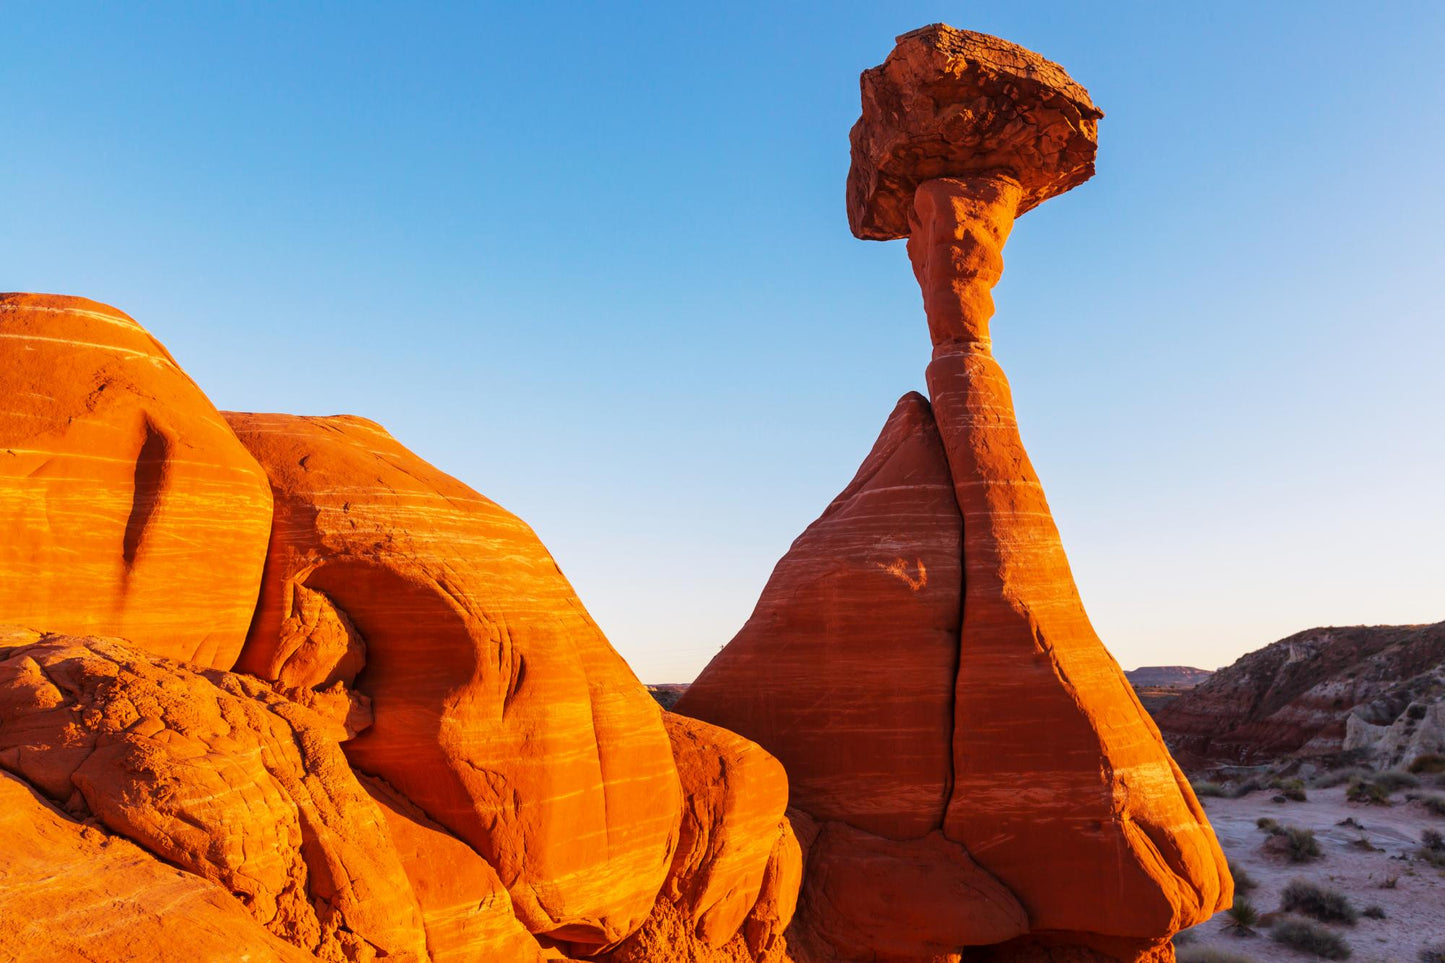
x=216 y=774
x=72 y=893
x=499 y=707
x=127 y=506
x=732 y=887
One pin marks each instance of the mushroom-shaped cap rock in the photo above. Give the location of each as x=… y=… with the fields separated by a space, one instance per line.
x=954 y=103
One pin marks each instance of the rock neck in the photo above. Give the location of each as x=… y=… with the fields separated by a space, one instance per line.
x=956 y=236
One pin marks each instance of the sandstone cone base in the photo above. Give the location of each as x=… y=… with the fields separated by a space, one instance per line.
x=845 y=672
x=127 y=506
x=500 y=710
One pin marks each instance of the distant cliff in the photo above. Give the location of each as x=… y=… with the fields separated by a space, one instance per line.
x=1376 y=691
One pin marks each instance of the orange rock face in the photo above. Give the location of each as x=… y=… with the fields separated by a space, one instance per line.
x=914 y=899
x=732 y=887
x=215 y=774
x=466 y=909
x=846 y=669
x=127 y=506
x=500 y=710
x=1057 y=768
x=70 y=892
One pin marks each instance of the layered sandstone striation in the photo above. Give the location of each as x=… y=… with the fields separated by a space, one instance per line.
x=499 y=708
x=863 y=727
x=1054 y=770
x=127 y=505
x=71 y=892
x=215 y=774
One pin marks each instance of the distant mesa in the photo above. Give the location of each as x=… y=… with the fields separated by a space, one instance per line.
x=1375 y=693
x=277 y=688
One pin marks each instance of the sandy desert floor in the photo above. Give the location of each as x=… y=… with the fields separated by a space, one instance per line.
x=1414 y=904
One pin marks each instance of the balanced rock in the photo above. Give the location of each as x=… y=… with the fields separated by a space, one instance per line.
x=500 y=710
x=127 y=506
x=73 y=893
x=1071 y=829
x=217 y=775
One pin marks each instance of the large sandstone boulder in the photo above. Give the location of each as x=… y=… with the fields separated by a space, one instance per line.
x=72 y=893
x=465 y=908
x=217 y=775
x=500 y=709
x=127 y=506
x=733 y=884
x=845 y=671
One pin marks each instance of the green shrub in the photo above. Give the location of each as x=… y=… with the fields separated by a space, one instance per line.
x=1302 y=847
x=1325 y=905
x=1243 y=917
x=1269 y=825
x=1432 y=953
x=1309 y=937
x=1241 y=789
x=1363 y=791
x=1434 y=805
x=1291 y=789
x=1433 y=840
x=1394 y=780
x=1374 y=912
x=1431 y=762
x=1243 y=882
x=1207 y=790
x=1338 y=777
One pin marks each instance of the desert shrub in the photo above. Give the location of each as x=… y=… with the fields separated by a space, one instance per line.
x=1325 y=905
x=1301 y=845
x=1207 y=954
x=1433 y=840
x=1374 y=912
x=1292 y=790
x=1309 y=937
x=1243 y=882
x=1430 y=763
x=1239 y=790
x=1363 y=843
x=1394 y=780
x=1390 y=882
x=1207 y=790
x=1338 y=777
x=1433 y=804
x=1243 y=917
x=1432 y=953
x=1269 y=825
x=1364 y=791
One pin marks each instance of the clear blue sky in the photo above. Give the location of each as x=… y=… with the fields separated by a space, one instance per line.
x=593 y=260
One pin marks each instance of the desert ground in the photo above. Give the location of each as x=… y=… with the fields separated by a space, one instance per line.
x=1371 y=853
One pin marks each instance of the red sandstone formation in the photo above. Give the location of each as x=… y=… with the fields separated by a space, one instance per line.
x=127 y=506
x=732 y=887
x=869 y=724
x=465 y=908
x=217 y=775
x=1056 y=772
x=500 y=709
x=72 y=892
